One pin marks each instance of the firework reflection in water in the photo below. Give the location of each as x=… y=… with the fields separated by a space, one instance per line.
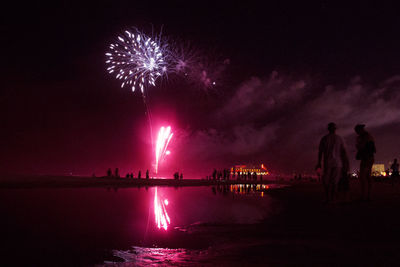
x=160 y=211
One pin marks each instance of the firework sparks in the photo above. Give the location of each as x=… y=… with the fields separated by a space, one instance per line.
x=184 y=57
x=163 y=139
x=160 y=212
x=201 y=71
x=137 y=60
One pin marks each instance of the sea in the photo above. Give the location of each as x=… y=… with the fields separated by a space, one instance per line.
x=138 y=226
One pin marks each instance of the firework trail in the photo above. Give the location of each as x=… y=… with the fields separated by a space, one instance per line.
x=137 y=60
x=163 y=139
x=160 y=211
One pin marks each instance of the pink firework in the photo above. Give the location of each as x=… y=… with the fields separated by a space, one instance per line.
x=163 y=139
x=160 y=212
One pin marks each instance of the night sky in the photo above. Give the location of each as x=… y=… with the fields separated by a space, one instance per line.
x=292 y=69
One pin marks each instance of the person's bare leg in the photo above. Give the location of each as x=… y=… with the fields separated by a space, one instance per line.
x=330 y=193
x=369 y=181
x=333 y=192
x=326 y=187
x=362 y=181
x=362 y=178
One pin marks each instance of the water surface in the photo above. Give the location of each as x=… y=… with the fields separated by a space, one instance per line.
x=85 y=226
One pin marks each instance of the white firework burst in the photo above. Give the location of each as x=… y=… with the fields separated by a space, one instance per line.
x=137 y=60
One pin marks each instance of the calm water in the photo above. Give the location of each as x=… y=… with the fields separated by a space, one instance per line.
x=86 y=226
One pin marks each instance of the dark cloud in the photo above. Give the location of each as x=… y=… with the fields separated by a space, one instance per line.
x=279 y=120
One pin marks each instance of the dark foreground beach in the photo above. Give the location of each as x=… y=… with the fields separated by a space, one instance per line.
x=83 y=226
x=352 y=234
x=302 y=231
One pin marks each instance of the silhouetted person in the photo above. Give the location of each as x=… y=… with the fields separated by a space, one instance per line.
x=131 y=175
x=127 y=175
x=181 y=177
x=254 y=176
x=139 y=176
x=147 y=175
x=335 y=161
x=116 y=173
x=109 y=172
x=395 y=171
x=365 y=153
x=214 y=174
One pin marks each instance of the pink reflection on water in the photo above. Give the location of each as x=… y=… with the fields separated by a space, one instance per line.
x=160 y=212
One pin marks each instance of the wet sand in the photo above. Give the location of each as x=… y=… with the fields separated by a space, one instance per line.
x=302 y=231
x=307 y=233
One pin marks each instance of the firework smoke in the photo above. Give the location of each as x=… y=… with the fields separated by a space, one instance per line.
x=199 y=70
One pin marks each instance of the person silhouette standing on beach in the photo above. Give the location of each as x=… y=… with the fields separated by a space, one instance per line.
x=139 y=176
x=395 y=171
x=365 y=153
x=147 y=175
x=335 y=161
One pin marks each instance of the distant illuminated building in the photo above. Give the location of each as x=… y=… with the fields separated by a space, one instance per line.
x=378 y=170
x=244 y=169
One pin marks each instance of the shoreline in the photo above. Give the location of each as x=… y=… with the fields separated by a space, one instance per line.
x=107 y=182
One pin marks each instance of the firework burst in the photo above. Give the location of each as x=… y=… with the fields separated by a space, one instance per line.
x=163 y=139
x=199 y=70
x=137 y=60
x=184 y=57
